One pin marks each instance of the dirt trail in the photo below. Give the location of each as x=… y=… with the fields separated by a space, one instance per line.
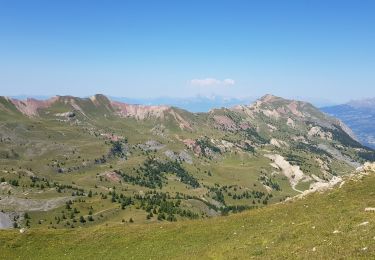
x=297 y=190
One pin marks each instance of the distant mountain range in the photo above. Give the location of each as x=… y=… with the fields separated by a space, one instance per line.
x=193 y=104
x=130 y=160
x=359 y=116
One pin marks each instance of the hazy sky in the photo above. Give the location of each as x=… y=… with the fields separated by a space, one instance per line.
x=319 y=49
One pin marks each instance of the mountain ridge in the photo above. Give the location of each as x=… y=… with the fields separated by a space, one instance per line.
x=30 y=107
x=114 y=162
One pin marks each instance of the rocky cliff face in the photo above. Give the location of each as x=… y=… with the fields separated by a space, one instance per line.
x=139 y=112
x=30 y=107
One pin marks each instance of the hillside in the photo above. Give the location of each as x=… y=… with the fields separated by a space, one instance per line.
x=193 y=104
x=337 y=223
x=359 y=116
x=70 y=162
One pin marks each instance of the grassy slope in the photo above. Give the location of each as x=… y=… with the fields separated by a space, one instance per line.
x=40 y=141
x=288 y=230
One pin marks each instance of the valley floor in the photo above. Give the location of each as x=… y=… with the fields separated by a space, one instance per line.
x=328 y=225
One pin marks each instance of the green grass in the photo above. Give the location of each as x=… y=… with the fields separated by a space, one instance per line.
x=41 y=145
x=303 y=229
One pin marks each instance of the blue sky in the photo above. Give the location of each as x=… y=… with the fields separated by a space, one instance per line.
x=307 y=49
